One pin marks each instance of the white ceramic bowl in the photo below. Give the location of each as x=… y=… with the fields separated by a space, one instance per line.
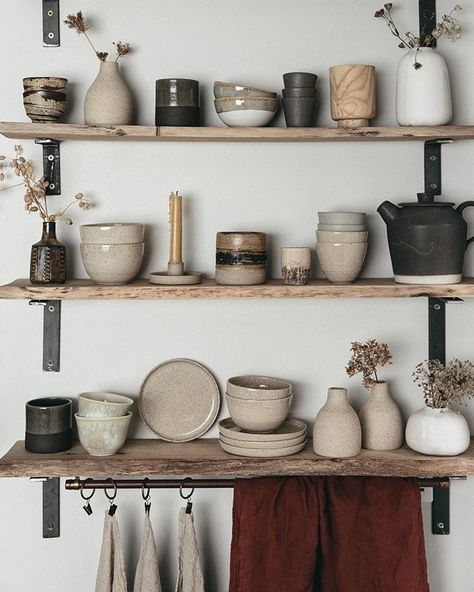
x=343 y=227
x=103 y=436
x=342 y=217
x=246 y=112
x=230 y=89
x=341 y=263
x=258 y=416
x=103 y=405
x=258 y=387
x=328 y=236
x=112 y=265
x=119 y=233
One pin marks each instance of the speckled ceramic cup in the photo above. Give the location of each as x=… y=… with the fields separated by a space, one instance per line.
x=103 y=405
x=103 y=436
x=295 y=265
x=258 y=416
x=112 y=265
x=241 y=258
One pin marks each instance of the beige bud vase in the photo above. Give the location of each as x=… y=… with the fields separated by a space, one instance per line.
x=337 y=431
x=381 y=420
x=109 y=100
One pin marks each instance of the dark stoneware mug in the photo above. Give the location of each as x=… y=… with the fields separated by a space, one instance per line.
x=48 y=425
x=177 y=92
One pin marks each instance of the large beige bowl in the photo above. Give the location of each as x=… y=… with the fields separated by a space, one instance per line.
x=328 y=236
x=103 y=436
x=258 y=416
x=260 y=388
x=103 y=405
x=341 y=262
x=112 y=265
x=117 y=233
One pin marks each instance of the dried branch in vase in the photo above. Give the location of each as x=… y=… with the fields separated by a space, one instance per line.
x=366 y=357
x=35 y=189
x=444 y=385
x=77 y=23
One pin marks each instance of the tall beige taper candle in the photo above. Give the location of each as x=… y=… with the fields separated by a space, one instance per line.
x=176 y=228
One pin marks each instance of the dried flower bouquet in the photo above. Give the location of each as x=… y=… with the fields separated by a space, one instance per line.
x=366 y=357
x=444 y=385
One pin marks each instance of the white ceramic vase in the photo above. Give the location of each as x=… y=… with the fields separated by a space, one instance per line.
x=381 y=420
x=439 y=432
x=109 y=100
x=423 y=94
x=336 y=431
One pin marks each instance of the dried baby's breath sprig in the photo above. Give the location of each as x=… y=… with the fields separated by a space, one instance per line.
x=365 y=359
x=122 y=49
x=444 y=385
x=34 y=198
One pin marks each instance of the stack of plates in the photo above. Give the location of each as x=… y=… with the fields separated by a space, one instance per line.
x=288 y=439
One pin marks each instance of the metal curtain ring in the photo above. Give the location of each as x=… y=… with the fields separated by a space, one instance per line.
x=145 y=496
x=185 y=497
x=111 y=497
x=81 y=491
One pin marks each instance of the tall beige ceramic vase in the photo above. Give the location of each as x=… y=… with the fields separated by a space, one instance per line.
x=381 y=420
x=109 y=100
x=352 y=95
x=336 y=431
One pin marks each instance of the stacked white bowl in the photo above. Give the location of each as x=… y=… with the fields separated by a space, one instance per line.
x=341 y=244
x=102 y=422
x=244 y=106
x=112 y=253
x=258 y=426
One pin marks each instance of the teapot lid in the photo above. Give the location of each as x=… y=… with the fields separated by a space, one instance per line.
x=427 y=199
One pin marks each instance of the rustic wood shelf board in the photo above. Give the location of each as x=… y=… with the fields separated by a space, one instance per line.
x=143 y=290
x=66 y=131
x=141 y=458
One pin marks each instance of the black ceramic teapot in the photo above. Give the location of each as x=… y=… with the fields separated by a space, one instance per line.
x=427 y=240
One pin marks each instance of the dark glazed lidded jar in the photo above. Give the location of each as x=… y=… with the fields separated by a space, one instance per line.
x=48 y=258
x=427 y=240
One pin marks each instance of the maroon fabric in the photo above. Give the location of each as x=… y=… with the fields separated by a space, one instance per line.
x=327 y=534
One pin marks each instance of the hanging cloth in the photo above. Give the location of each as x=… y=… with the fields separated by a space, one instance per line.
x=111 y=573
x=190 y=578
x=147 y=576
x=327 y=534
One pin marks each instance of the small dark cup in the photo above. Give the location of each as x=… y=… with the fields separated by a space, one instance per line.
x=48 y=425
x=299 y=79
x=299 y=112
x=177 y=92
x=299 y=93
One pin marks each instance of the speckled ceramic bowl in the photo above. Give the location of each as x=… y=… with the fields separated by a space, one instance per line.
x=341 y=263
x=45 y=83
x=116 y=233
x=103 y=436
x=112 y=265
x=230 y=89
x=258 y=388
x=44 y=106
x=246 y=112
x=103 y=405
x=258 y=416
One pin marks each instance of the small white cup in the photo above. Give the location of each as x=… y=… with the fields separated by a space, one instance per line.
x=295 y=265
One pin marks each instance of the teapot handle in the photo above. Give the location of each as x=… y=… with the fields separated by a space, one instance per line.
x=460 y=209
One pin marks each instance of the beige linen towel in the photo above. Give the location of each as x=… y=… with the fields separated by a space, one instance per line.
x=190 y=577
x=111 y=573
x=147 y=576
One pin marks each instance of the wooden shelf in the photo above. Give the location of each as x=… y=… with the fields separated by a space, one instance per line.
x=139 y=458
x=142 y=290
x=65 y=131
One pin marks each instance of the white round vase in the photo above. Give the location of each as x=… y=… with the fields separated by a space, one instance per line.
x=381 y=420
x=439 y=432
x=109 y=100
x=423 y=94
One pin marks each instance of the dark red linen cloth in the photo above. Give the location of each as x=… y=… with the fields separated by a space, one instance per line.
x=327 y=534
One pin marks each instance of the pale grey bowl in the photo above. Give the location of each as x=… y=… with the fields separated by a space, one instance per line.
x=117 y=233
x=329 y=236
x=258 y=416
x=103 y=405
x=342 y=217
x=258 y=387
x=112 y=265
x=103 y=436
x=230 y=89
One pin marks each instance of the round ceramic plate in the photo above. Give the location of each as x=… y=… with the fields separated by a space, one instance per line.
x=287 y=451
x=262 y=445
x=179 y=400
x=290 y=429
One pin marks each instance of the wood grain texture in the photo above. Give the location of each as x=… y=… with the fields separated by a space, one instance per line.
x=64 y=131
x=142 y=290
x=352 y=92
x=139 y=458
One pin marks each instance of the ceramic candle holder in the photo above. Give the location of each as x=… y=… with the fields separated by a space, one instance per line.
x=48 y=425
x=241 y=258
x=295 y=265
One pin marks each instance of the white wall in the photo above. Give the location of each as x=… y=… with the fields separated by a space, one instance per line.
x=273 y=188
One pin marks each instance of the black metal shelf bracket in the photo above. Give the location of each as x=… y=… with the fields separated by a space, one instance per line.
x=427 y=20
x=51 y=22
x=51 y=164
x=51 y=495
x=51 y=333
x=433 y=165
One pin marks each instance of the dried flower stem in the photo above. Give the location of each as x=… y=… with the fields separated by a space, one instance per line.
x=365 y=359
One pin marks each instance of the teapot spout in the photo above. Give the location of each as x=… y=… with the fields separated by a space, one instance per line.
x=388 y=211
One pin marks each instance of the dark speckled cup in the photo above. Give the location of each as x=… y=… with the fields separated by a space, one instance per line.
x=48 y=425
x=177 y=102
